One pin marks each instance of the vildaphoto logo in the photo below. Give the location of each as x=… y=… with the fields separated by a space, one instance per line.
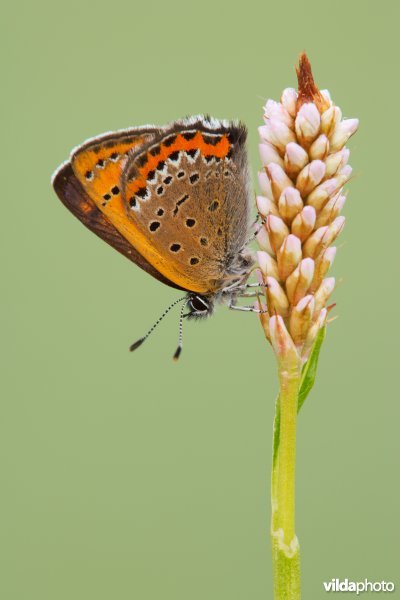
x=358 y=587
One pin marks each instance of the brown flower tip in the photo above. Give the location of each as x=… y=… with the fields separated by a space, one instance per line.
x=308 y=91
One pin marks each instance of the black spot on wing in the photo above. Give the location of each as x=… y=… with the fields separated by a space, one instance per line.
x=169 y=140
x=154 y=225
x=189 y=135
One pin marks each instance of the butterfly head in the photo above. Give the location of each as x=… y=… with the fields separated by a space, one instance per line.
x=200 y=307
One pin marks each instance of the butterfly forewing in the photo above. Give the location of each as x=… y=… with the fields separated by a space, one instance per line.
x=98 y=163
x=73 y=195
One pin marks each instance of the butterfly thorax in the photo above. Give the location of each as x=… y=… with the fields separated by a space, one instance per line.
x=225 y=290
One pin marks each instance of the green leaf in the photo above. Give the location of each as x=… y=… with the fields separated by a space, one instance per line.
x=310 y=369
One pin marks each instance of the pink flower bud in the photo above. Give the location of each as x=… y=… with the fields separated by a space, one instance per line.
x=277 y=231
x=320 y=195
x=276 y=133
x=290 y=204
x=276 y=110
x=342 y=132
x=268 y=265
x=266 y=206
x=300 y=319
x=289 y=256
x=281 y=341
x=327 y=97
x=279 y=180
x=322 y=238
x=269 y=154
x=304 y=223
x=323 y=292
x=307 y=123
x=315 y=243
x=295 y=159
x=344 y=174
x=299 y=281
x=335 y=162
x=329 y=119
x=310 y=177
x=265 y=184
x=289 y=101
x=263 y=240
x=319 y=148
x=276 y=298
x=331 y=210
x=322 y=266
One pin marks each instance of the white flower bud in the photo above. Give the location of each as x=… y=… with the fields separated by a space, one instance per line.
x=335 y=162
x=268 y=265
x=262 y=238
x=331 y=210
x=266 y=206
x=289 y=256
x=265 y=184
x=310 y=177
x=329 y=119
x=319 y=148
x=307 y=123
x=322 y=266
x=279 y=180
x=323 y=292
x=281 y=340
x=295 y=159
x=300 y=319
x=276 y=133
x=342 y=132
x=326 y=96
x=299 y=281
x=289 y=101
x=290 y=204
x=276 y=298
x=277 y=231
x=276 y=110
x=303 y=224
x=269 y=154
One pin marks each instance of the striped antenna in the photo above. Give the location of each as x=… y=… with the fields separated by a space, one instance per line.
x=180 y=343
x=141 y=340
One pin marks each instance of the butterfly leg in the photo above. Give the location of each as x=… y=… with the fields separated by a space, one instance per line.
x=245 y=286
x=234 y=306
x=250 y=295
x=253 y=285
x=255 y=234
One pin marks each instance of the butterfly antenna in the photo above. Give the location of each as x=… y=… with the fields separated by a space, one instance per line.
x=141 y=340
x=180 y=343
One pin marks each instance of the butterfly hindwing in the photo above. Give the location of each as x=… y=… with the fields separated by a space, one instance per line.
x=186 y=194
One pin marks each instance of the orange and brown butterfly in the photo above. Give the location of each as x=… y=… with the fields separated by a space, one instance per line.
x=175 y=200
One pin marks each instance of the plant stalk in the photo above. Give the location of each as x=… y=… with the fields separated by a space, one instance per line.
x=285 y=546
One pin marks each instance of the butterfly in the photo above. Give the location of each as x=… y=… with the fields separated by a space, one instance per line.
x=175 y=200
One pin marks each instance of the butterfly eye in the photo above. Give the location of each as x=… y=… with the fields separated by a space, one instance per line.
x=199 y=304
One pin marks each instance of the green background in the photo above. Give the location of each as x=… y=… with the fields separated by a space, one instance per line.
x=128 y=476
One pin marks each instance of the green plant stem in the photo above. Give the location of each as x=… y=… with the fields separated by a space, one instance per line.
x=285 y=547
